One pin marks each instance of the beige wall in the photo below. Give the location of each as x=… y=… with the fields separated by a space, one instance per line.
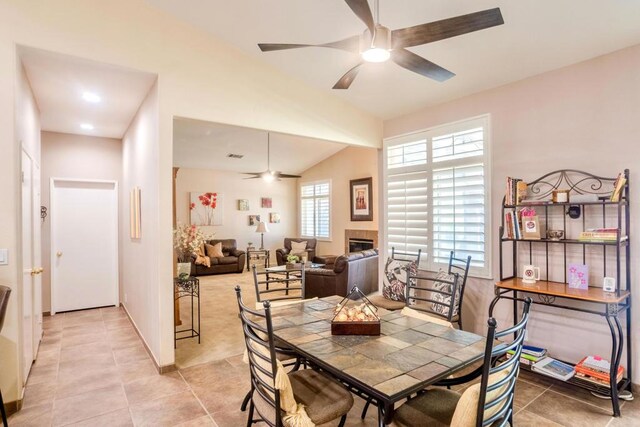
x=232 y=186
x=347 y=164
x=140 y=279
x=200 y=77
x=78 y=157
x=581 y=117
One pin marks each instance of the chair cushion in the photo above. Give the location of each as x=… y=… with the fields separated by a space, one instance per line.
x=444 y=300
x=228 y=260
x=434 y=408
x=394 y=281
x=467 y=409
x=214 y=251
x=425 y=316
x=324 y=398
x=388 y=304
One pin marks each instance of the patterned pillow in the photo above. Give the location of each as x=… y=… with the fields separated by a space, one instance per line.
x=445 y=300
x=395 y=278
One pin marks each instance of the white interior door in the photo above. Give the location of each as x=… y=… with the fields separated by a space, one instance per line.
x=29 y=268
x=36 y=222
x=84 y=244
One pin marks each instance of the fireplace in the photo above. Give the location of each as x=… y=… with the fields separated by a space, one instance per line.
x=359 y=240
x=356 y=245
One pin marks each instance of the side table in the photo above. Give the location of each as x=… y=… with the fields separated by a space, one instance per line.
x=256 y=254
x=189 y=287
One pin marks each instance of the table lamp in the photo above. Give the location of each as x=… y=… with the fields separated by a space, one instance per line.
x=262 y=228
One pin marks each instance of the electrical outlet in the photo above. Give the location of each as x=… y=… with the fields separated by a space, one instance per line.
x=125 y=298
x=4 y=256
x=526 y=335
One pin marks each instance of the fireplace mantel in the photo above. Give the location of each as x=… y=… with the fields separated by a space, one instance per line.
x=360 y=234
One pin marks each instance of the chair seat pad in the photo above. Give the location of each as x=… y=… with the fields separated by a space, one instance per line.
x=324 y=398
x=387 y=304
x=434 y=408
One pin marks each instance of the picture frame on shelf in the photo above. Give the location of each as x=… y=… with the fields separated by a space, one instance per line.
x=361 y=191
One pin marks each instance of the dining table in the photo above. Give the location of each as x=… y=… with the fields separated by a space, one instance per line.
x=409 y=355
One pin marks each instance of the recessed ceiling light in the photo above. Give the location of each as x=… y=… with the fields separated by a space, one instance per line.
x=91 y=97
x=86 y=126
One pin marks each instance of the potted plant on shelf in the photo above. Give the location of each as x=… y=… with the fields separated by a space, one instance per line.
x=187 y=241
x=292 y=260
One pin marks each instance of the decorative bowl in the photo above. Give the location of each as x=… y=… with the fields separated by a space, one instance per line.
x=555 y=234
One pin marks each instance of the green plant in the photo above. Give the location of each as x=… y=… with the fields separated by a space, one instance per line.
x=292 y=259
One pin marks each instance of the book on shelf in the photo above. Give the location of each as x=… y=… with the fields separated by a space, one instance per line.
x=605 y=236
x=515 y=192
x=618 y=185
x=525 y=359
x=598 y=368
x=534 y=351
x=596 y=381
x=511 y=225
x=554 y=368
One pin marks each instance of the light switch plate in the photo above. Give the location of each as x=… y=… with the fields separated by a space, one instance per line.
x=4 y=256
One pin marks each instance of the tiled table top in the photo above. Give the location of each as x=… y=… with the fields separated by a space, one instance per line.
x=409 y=353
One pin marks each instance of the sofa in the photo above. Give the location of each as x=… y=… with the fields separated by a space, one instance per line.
x=354 y=269
x=281 y=254
x=233 y=260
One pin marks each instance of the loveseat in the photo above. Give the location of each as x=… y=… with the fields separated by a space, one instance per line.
x=233 y=260
x=281 y=254
x=354 y=269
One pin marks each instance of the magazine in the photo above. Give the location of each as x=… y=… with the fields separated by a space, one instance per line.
x=554 y=368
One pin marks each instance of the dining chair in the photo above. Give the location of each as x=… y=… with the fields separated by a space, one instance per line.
x=433 y=295
x=301 y=396
x=406 y=257
x=5 y=292
x=461 y=266
x=279 y=286
x=488 y=403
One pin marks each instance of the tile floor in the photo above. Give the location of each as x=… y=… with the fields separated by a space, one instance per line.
x=92 y=370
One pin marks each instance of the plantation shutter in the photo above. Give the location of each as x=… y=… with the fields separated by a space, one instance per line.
x=315 y=209
x=407 y=212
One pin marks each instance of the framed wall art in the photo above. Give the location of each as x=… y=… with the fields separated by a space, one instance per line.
x=206 y=208
x=361 y=199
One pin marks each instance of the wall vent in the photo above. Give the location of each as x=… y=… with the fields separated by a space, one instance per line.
x=235 y=156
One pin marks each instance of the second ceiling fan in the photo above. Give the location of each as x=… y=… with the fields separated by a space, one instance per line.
x=378 y=43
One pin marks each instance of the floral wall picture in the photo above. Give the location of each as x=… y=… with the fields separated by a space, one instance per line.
x=254 y=219
x=274 y=218
x=206 y=208
x=243 y=204
x=267 y=202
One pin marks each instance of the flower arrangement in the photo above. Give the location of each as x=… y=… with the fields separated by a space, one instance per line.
x=186 y=241
x=292 y=259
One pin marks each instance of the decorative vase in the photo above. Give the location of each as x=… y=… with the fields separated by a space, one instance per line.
x=184 y=268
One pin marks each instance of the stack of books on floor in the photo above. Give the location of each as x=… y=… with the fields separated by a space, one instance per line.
x=599 y=235
x=554 y=368
x=530 y=354
x=595 y=370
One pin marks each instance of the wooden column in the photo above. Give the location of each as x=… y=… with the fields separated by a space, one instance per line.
x=176 y=304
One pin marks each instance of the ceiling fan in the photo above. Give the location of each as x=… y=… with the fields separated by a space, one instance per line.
x=378 y=44
x=269 y=175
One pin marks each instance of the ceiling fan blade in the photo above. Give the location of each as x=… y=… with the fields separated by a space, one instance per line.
x=350 y=44
x=418 y=64
x=346 y=80
x=286 y=175
x=252 y=177
x=446 y=28
x=252 y=173
x=363 y=11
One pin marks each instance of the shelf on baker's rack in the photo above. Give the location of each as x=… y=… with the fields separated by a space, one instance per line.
x=538 y=204
x=562 y=290
x=623 y=241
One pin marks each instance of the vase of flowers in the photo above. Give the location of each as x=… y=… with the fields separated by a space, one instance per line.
x=187 y=240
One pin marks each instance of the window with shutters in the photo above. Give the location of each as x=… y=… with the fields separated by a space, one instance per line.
x=436 y=185
x=315 y=209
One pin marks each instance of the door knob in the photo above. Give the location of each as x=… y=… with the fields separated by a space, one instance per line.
x=58 y=254
x=34 y=271
x=40 y=270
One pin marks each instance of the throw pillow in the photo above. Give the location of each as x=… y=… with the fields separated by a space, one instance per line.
x=444 y=300
x=395 y=278
x=298 y=248
x=201 y=258
x=215 y=251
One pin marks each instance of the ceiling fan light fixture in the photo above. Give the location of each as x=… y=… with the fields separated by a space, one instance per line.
x=378 y=47
x=268 y=176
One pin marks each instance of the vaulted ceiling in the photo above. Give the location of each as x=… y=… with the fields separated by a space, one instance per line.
x=537 y=36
